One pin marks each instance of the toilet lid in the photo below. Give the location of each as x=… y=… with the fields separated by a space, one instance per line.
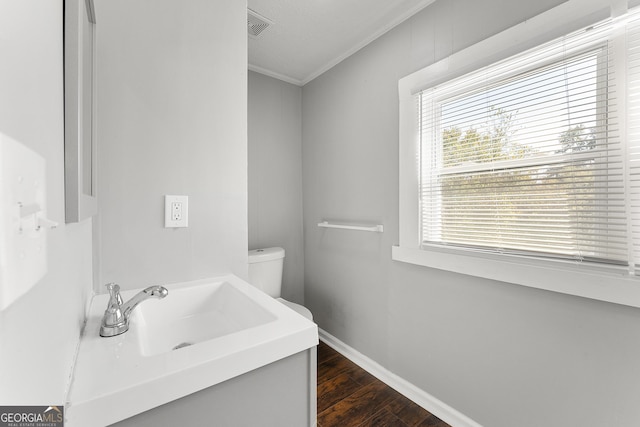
x=304 y=311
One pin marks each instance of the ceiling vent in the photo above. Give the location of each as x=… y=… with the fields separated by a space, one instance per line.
x=256 y=23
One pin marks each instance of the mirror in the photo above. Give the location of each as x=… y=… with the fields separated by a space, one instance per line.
x=79 y=129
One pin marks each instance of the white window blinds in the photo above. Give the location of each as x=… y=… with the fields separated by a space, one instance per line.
x=538 y=154
x=633 y=135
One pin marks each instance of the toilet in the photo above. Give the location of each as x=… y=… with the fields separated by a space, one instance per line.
x=265 y=273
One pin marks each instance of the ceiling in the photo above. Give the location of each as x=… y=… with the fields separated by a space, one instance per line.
x=306 y=38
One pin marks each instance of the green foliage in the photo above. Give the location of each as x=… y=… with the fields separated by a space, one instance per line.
x=473 y=146
x=577 y=139
x=505 y=208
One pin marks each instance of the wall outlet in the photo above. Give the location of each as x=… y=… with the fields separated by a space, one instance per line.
x=176 y=211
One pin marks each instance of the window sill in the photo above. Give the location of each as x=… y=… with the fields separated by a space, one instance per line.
x=604 y=284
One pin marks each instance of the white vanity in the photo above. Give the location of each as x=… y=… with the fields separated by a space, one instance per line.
x=215 y=349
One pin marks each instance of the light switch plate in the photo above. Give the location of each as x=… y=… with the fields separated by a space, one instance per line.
x=23 y=239
x=176 y=211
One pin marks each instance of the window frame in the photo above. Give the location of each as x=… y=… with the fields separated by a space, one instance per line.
x=601 y=282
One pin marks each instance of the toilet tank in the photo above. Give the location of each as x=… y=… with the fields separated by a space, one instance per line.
x=265 y=270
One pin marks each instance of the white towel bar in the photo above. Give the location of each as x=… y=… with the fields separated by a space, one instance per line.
x=374 y=228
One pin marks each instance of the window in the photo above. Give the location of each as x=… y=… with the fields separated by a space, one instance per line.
x=531 y=160
x=525 y=161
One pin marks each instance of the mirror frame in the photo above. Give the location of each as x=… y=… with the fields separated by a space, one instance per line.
x=79 y=30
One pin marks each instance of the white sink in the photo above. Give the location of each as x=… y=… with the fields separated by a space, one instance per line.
x=203 y=333
x=191 y=315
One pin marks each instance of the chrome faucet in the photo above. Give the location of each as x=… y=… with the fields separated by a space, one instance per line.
x=116 y=317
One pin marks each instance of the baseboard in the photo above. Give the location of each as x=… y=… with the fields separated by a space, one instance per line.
x=417 y=395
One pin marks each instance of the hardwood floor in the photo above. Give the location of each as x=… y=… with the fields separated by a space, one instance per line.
x=348 y=396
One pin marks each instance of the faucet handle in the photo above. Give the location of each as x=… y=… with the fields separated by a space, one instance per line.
x=114 y=294
x=113 y=321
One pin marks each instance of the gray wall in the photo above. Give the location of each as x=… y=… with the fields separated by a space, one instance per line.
x=502 y=354
x=275 y=175
x=39 y=332
x=172 y=100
